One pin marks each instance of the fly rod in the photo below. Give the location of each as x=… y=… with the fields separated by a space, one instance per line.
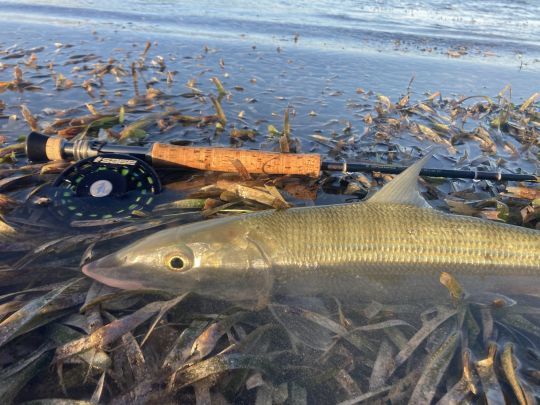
x=40 y=148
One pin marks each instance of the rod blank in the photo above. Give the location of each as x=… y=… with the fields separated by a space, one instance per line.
x=41 y=148
x=446 y=173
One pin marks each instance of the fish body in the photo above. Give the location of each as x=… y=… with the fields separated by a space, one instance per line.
x=348 y=249
x=392 y=247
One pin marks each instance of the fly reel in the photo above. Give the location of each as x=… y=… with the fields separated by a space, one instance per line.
x=103 y=187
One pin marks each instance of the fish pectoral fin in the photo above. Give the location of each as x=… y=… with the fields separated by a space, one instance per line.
x=403 y=189
x=305 y=327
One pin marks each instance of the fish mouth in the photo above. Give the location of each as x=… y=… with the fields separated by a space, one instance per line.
x=107 y=271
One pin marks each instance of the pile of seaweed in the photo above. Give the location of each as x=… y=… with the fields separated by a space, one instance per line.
x=64 y=337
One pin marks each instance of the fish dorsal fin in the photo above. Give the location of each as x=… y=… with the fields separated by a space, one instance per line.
x=403 y=189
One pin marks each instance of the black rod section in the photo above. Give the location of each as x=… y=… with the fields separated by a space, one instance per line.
x=447 y=173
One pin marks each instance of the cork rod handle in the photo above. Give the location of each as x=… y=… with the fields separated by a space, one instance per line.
x=221 y=159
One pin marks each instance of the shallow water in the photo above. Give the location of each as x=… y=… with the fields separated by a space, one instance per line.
x=344 y=56
x=433 y=26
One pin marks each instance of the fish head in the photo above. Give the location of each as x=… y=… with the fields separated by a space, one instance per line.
x=213 y=258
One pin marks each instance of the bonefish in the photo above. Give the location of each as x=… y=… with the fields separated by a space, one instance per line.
x=391 y=247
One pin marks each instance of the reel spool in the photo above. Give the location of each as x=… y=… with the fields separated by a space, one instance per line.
x=102 y=187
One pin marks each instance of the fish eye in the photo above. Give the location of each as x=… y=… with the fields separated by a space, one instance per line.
x=176 y=262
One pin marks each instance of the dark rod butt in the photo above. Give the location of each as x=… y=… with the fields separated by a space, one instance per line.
x=36 y=144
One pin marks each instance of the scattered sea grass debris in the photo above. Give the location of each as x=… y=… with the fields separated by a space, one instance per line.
x=111 y=332
x=189 y=349
x=16 y=377
x=434 y=370
x=216 y=350
x=30 y=119
x=42 y=310
x=219 y=111
x=454 y=288
x=511 y=376
x=219 y=86
x=136 y=130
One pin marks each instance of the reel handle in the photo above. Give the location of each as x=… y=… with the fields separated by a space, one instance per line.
x=221 y=160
